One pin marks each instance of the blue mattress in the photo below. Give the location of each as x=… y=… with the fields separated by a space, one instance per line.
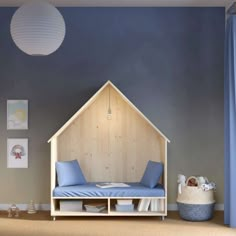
x=91 y=190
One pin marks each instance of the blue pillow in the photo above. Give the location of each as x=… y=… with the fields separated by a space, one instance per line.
x=152 y=174
x=69 y=173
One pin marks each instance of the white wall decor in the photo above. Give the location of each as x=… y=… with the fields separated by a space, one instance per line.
x=17 y=153
x=17 y=114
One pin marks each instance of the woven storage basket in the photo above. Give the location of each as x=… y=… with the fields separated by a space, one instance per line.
x=194 y=204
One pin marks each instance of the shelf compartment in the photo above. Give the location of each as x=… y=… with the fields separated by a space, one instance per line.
x=85 y=201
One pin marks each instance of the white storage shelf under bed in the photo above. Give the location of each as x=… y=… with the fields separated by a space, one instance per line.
x=110 y=207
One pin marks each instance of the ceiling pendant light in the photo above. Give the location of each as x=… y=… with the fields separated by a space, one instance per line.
x=37 y=28
x=109 y=113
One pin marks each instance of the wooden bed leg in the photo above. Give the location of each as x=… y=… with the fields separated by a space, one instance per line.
x=163 y=218
x=54 y=218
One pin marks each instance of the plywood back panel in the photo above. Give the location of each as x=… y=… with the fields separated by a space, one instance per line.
x=111 y=150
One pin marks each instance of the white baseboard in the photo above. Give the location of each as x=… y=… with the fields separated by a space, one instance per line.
x=173 y=207
x=24 y=207
x=46 y=207
x=219 y=207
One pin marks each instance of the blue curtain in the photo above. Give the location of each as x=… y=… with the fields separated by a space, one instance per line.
x=230 y=122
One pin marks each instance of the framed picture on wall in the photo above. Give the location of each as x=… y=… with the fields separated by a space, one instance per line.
x=17 y=153
x=17 y=114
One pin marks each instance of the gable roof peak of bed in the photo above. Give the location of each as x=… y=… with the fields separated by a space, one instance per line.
x=93 y=98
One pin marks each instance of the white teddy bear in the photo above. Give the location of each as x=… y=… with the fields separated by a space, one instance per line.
x=181 y=181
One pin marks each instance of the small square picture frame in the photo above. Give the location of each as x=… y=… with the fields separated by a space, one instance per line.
x=17 y=114
x=17 y=153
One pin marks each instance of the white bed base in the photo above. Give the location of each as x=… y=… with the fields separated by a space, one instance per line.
x=110 y=210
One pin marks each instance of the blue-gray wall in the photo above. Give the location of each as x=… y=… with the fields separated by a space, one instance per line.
x=167 y=61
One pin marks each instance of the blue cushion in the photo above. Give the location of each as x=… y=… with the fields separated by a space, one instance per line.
x=152 y=174
x=69 y=173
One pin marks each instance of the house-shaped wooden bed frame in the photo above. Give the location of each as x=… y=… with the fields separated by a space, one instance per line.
x=113 y=141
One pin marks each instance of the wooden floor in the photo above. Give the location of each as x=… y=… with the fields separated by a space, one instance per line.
x=41 y=224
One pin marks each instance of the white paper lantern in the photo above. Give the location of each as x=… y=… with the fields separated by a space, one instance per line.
x=38 y=28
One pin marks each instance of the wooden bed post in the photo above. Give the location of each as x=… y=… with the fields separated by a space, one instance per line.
x=53 y=172
x=165 y=177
